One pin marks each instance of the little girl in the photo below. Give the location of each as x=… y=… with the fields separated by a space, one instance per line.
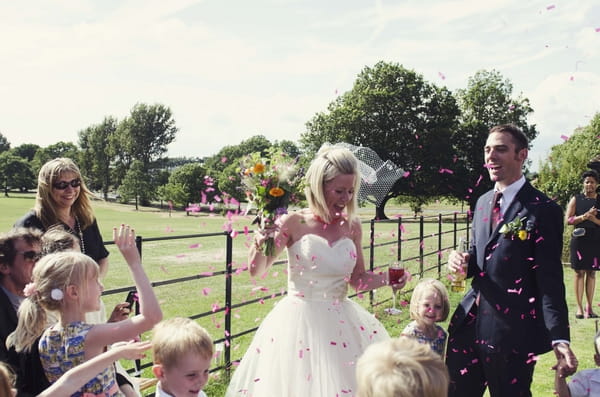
x=67 y=282
x=429 y=304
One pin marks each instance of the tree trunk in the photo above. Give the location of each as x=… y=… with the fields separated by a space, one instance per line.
x=380 y=209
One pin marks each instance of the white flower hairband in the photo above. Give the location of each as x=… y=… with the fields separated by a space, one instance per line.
x=56 y=294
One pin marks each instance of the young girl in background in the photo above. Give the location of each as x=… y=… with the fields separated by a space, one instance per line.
x=67 y=282
x=428 y=306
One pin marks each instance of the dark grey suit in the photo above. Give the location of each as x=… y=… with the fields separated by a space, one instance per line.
x=521 y=307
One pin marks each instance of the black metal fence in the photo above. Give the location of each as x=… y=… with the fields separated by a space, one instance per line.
x=388 y=241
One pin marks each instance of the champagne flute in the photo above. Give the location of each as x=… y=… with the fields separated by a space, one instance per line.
x=395 y=273
x=459 y=283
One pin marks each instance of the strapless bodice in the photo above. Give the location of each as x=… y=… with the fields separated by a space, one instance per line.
x=319 y=270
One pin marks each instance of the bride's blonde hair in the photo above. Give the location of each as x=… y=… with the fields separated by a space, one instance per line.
x=329 y=163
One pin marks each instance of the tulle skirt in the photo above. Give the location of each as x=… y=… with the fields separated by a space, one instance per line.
x=306 y=348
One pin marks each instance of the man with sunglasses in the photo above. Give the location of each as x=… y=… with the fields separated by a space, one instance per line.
x=20 y=249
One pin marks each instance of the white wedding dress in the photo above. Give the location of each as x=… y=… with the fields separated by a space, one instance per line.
x=308 y=345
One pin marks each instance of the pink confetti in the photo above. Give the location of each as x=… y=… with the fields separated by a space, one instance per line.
x=446 y=171
x=406 y=174
x=597 y=30
x=479 y=180
x=550 y=7
x=571 y=78
x=197 y=245
x=223 y=159
x=205 y=291
x=441 y=75
x=564 y=137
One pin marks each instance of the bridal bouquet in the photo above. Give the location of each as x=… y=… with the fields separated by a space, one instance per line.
x=272 y=183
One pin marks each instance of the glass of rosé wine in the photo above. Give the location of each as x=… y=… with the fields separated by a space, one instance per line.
x=395 y=273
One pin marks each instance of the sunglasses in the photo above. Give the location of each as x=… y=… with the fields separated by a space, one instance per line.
x=30 y=255
x=62 y=185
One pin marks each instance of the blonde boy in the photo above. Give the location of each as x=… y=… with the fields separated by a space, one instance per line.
x=182 y=351
x=401 y=367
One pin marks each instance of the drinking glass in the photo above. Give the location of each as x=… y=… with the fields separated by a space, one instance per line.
x=459 y=283
x=395 y=273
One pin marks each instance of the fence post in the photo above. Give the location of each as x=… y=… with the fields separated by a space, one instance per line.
x=228 y=288
x=138 y=362
x=421 y=244
x=455 y=229
x=372 y=258
x=439 y=254
x=399 y=231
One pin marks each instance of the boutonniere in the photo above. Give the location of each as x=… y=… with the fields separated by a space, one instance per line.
x=517 y=229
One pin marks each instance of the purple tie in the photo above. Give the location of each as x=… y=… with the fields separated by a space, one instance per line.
x=495 y=216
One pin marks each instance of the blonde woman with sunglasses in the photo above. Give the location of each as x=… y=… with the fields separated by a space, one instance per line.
x=63 y=199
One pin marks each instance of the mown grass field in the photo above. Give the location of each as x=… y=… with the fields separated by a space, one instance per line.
x=165 y=260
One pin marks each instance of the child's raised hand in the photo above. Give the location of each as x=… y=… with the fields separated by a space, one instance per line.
x=132 y=350
x=124 y=238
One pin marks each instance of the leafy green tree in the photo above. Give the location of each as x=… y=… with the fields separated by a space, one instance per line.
x=146 y=133
x=229 y=181
x=232 y=153
x=173 y=192
x=404 y=119
x=26 y=151
x=4 y=144
x=560 y=176
x=97 y=154
x=136 y=184
x=143 y=136
x=59 y=149
x=15 y=172
x=487 y=101
x=192 y=177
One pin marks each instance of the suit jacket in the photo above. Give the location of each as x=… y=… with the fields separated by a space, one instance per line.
x=8 y=323
x=522 y=304
x=31 y=379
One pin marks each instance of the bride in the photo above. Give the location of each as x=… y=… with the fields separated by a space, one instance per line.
x=309 y=343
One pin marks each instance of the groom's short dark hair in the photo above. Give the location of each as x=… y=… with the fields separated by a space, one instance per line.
x=519 y=138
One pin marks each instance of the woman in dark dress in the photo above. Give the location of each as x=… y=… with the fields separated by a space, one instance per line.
x=585 y=243
x=62 y=198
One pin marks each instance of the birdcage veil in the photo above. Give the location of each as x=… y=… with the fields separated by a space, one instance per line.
x=377 y=176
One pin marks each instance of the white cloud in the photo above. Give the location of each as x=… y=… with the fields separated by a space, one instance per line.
x=229 y=71
x=562 y=102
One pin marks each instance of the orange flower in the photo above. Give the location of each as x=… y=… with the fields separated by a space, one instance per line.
x=247 y=171
x=276 y=191
x=259 y=168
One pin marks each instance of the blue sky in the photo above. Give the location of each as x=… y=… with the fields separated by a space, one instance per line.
x=231 y=69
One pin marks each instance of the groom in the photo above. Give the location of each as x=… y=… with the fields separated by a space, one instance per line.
x=516 y=308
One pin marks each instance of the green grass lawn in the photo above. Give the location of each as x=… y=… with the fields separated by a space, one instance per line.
x=165 y=260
